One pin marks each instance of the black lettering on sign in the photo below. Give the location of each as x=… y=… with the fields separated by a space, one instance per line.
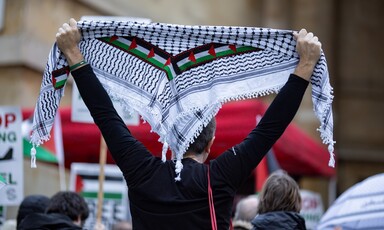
x=10 y=137
x=8 y=155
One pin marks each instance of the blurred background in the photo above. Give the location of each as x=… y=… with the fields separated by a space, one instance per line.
x=351 y=32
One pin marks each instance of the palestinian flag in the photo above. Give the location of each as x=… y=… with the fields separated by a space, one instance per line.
x=3 y=182
x=88 y=186
x=50 y=151
x=59 y=77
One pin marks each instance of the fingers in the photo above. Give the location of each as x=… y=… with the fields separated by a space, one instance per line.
x=60 y=32
x=67 y=27
x=63 y=29
x=304 y=35
x=301 y=33
x=315 y=40
x=73 y=23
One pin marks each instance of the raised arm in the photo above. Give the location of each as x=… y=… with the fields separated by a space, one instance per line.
x=236 y=164
x=127 y=152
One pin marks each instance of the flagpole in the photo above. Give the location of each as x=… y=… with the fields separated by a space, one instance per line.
x=63 y=186
x=58 y=137
x=100 y=195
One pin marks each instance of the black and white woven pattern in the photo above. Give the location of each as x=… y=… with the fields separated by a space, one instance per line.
x=177 y=109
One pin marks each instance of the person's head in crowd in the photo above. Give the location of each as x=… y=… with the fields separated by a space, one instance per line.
x=122 y=225
x=31 y=204
x=280 y=192
x=246 y=210
x=70 y=204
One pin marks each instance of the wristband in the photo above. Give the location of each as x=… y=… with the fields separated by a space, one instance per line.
x=74 y=66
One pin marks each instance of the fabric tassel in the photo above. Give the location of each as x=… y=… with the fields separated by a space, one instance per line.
x=164 y=151
x=33 y=157
x=331 y=162
x=178 y=168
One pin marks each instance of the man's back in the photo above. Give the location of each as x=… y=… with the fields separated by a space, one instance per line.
x=159 y=198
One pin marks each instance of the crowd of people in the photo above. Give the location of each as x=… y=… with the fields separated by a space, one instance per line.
x=65 y=210
x=277 y=206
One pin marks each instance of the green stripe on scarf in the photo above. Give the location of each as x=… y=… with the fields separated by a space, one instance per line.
x=218 y=54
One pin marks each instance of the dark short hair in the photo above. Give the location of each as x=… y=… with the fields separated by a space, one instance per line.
x=70 y=204
x=206 y=135
x=280 y=192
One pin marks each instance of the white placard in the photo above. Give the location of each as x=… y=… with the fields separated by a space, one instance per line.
x=80 y=112
x=11 y=155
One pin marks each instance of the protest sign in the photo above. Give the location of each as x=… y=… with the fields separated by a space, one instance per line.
x=11 y=156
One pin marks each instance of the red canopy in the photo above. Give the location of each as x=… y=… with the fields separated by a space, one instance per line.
x=295 y=151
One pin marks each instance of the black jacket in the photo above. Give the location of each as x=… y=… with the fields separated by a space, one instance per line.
x=52 y=221
x=279 y=220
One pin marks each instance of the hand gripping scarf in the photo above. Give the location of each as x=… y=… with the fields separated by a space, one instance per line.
x=177 y=77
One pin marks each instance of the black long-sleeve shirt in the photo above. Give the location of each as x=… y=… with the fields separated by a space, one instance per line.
x=156 y=200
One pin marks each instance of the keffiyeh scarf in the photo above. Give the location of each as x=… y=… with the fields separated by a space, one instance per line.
x=177 y=77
